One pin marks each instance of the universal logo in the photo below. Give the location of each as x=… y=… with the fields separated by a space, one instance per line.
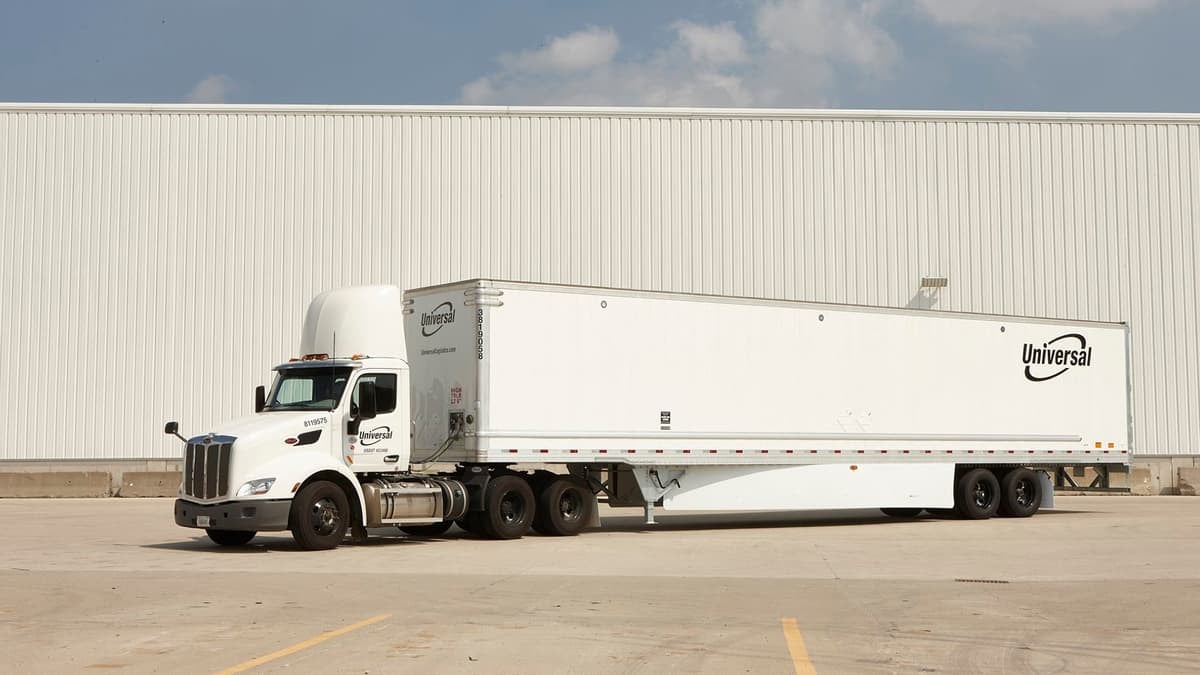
x=1048 y=361
x=432 y=322
x=374 y=435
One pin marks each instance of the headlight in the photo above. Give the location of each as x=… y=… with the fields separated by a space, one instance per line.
x=257 y=486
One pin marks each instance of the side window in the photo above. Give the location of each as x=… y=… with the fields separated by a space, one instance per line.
x=385 y=391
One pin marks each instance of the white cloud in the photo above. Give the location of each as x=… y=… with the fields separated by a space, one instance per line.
x=578 y=51
x=212 y=89
x=717 y=44
x=789 y=59
x=990 y=13
x=1005 y=26
x=834 y=31
x=787 y=53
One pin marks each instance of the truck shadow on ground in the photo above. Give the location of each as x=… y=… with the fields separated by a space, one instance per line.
x=727 y=521
x=268 y=544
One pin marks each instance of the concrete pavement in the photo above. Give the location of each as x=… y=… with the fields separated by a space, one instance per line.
x=1101 y=584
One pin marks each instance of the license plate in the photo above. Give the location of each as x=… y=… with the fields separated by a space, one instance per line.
x=203 y=521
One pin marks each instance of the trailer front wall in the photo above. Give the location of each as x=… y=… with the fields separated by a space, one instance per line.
x=157 y=260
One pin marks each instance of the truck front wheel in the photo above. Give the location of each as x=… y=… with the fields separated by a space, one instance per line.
x=320 y=516
x=230 y=537
x=508 y=508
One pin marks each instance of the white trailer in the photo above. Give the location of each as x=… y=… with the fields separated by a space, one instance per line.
x=680 y=401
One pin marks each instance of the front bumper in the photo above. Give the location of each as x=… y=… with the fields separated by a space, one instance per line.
x=251 y=516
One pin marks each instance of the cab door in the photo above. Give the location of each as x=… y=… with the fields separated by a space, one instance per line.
x=381 y=443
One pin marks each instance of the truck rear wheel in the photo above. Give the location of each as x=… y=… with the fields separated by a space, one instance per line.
x=230 y=537
x=1020 y=493
x=320 y=516
x=508 y=508
x=977 y=495
x=564 y=507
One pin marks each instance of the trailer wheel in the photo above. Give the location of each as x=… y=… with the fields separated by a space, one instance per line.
x=564 y=508
x=430 y=530
x=508 y=508
x=977 y=496
x=230 y=537
x=320 y=516
x=901 y=512
x=1020 y=493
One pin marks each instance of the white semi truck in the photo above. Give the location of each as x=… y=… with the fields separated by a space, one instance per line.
x=650 y=399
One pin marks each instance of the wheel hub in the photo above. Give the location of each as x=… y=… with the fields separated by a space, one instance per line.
x=570 y=507
x=325 y=517
x=511 y=509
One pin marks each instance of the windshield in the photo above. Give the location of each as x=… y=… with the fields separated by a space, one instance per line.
x=308 y=389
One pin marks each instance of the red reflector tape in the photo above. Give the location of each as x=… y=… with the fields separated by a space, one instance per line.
x=712 y=452
x=543 y=451
x=513 y=451
x=658 y=452
x=687 y=452
x=630 y=452
x=861 y=451
x=789 y=451
x=603 y=452
x=737 y=452
x=574 y=452
x=764 y=451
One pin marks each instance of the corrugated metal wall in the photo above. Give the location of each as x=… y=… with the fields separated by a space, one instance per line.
x=157 y=261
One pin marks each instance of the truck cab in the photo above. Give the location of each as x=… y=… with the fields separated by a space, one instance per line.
x=327 y=428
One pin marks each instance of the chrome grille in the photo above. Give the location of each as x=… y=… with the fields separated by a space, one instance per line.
x=206 y=469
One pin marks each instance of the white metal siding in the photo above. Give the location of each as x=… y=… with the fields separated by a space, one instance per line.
x=157 y=261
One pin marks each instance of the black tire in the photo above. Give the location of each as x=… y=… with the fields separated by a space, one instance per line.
x=430 y=530
x=564 y=507
x=901 y=512
x=1020 y=493
x=320 y=516
x=231 y=537
x=508 y=508
x=977 y=495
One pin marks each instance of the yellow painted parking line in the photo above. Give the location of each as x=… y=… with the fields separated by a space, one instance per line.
x=299 y=646
x=795 y=643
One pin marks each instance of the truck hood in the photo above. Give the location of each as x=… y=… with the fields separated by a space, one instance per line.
x=274 y=427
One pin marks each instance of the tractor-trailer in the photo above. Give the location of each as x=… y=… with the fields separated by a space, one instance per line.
x=650 y=399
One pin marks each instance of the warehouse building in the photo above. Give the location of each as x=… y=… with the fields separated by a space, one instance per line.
x=157 y=260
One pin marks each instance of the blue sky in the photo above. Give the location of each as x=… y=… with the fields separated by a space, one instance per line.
x=1069 y=55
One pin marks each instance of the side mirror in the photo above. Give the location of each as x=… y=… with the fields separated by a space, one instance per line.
x=260 y=398
x=367 y=406
x=172 y=429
